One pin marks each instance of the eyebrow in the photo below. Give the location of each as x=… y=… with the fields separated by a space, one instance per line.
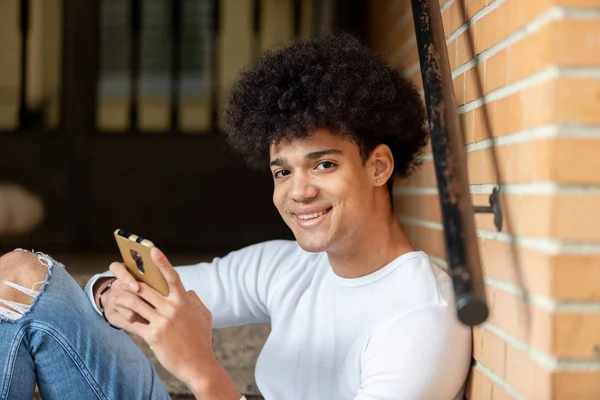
x=278 y=162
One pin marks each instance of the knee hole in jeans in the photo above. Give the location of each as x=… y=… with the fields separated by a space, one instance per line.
x=22 y=274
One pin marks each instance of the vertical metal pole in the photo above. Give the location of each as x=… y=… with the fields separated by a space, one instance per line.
x=214 y=66
x=448 y=153
x=23 y=111
x=176 y=27
x=256 y=27
x=79 y=97
x=135 y=58
x=297 y=17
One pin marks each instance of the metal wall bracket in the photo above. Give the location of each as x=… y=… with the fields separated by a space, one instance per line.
x=494 y=208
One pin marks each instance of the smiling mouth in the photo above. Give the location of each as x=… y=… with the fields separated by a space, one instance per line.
x=309 y=219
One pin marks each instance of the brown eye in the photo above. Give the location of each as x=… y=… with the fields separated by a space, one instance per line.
x=281 y=173
x=325 y=165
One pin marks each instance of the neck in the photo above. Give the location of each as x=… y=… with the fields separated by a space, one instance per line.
x=385 y=242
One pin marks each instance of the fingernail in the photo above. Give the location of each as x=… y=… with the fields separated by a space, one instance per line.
x=133 y=285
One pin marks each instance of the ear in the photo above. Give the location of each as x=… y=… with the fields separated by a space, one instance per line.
x=382 y=160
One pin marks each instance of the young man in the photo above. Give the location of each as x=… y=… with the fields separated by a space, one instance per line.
x=356 y=312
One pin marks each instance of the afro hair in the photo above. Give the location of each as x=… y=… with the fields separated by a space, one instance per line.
x=333 y=82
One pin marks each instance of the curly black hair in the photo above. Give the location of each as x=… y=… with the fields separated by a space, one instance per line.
x=331 y=81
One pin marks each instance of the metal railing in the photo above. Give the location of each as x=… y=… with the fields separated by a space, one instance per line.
x=462 y=250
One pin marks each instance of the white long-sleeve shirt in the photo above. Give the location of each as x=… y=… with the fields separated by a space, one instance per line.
x=392 y=334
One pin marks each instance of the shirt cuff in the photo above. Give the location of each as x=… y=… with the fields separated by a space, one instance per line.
x=89 y=286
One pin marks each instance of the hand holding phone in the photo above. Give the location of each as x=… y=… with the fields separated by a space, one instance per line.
x=135 y=251
x=177 y=327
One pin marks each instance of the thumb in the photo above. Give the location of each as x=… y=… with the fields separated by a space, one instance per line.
x=171 y=276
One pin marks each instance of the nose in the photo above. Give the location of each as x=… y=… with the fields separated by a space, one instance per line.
x=302 y=188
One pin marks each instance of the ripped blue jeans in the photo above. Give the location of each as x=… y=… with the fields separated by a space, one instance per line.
x=61 y=344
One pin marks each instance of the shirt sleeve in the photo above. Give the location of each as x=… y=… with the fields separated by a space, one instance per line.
x=90 y=285
x=235 y=288
x=423 y=355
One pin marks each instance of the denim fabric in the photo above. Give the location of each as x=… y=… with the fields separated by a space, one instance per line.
x=64 y=346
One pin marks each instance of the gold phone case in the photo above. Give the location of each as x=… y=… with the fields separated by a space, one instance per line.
x=135 y=251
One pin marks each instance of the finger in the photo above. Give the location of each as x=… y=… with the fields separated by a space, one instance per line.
x=114 y=312
x=141 y=330
x=145 y=292
x=130 y=315
x=108 y=300
x=169 y=273
x=135 y=327
x=138 y=306
x=123 y=274
x=111 y=308
x=118 y=288
x=152 y=297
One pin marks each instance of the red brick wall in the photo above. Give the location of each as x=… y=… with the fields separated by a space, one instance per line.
x=540 y=65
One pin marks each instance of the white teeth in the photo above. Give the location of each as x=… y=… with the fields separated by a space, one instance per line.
x=310 y=216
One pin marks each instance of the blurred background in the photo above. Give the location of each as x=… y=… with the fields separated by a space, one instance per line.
x=109 y=118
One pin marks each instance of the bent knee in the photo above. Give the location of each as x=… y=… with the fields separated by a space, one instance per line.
x=21 y=276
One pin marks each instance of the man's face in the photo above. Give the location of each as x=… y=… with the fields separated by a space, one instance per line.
x=323 y=190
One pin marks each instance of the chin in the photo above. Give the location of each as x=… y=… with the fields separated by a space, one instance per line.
x=312 y=246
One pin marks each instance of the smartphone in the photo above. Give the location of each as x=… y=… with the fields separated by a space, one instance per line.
x=135 y=251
